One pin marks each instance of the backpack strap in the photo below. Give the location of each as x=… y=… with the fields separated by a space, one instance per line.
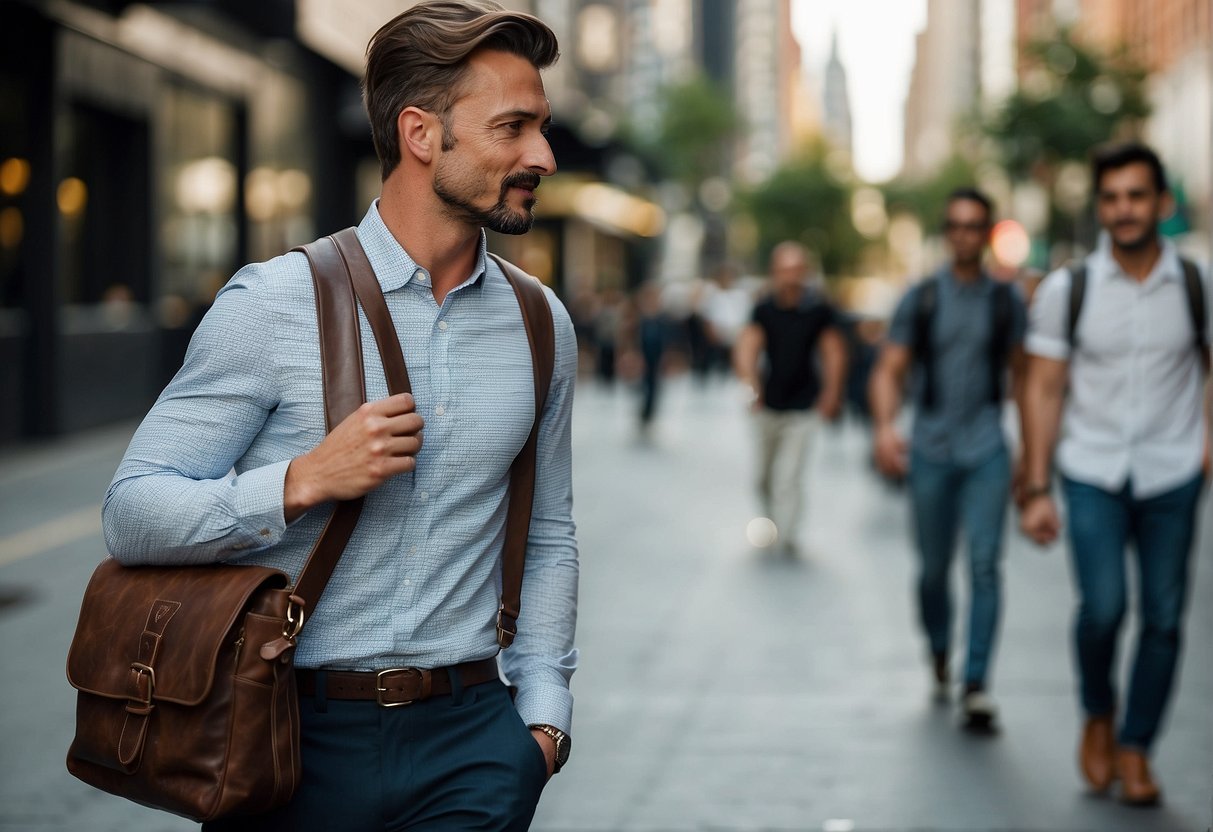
x=1078 y=291
x=1199 y=311
x=924 y=347
x=1000 y=339
x=541 y=334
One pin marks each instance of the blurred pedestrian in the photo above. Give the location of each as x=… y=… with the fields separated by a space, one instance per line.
x=653 y=334
x=727 y=305
x=1126 y=333
x=958 y=331
x=233 y=462
x=777 y=355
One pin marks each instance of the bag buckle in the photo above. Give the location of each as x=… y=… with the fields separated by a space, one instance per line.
x=422 y=686
x=139 y=668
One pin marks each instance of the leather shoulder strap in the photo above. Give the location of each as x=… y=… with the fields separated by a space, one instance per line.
x=540 y=330
x=339 y=266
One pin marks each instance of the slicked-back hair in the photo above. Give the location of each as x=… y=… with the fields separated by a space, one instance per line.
x=419 y=58
x=1117 y=156
x=971 y=194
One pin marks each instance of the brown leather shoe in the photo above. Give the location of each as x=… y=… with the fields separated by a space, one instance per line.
x=1137 y=787
x=1096 y=754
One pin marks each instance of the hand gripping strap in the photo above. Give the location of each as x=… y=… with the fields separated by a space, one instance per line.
x=342 y=374
x=537 y=318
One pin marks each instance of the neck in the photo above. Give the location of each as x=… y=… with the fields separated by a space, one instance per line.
x=1139 y=261
x=445 y=249
x=966 y=272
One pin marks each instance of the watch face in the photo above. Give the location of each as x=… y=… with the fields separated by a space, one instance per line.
x=563 y=748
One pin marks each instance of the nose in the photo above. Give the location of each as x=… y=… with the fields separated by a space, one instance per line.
x=539 y=156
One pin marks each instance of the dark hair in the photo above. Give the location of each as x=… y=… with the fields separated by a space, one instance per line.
x=971 y=194
x=419 y=58
x=1116 y=156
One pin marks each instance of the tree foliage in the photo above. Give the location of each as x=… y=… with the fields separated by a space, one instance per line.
x=926 y=198
x=695 y=134
x=1075 y=99
x=805 y=200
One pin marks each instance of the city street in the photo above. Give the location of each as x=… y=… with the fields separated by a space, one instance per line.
x=721 y=687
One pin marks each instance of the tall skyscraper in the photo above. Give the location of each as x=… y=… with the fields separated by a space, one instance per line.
x=837 y=101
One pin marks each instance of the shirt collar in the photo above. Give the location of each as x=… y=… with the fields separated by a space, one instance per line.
x=980 y=285
x=393 y=266
x=1167 y=267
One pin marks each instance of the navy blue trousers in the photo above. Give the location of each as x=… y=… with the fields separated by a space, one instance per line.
x=463 y=761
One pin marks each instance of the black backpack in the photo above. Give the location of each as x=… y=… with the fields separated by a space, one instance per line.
x=1195 y=291
x=923 y=347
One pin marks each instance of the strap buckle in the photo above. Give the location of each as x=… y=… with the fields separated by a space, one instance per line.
x=412 y=673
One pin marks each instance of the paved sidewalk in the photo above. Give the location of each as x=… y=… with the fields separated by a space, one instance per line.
x=721 y=688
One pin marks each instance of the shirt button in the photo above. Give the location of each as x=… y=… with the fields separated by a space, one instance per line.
x=424 y=495
x=264 y=532
x=422 y=276
x=412 y=550
x=442 y=325
x=439 y=410
x=407 y=582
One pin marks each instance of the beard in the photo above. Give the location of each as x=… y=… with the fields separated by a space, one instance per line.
x=500 y=217
x=1133 y=236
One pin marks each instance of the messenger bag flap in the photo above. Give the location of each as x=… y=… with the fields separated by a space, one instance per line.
x=167 y=652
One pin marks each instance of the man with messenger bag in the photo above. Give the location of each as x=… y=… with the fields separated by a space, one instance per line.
x=233 y=465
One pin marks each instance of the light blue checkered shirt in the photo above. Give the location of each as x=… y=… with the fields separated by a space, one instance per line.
x=419 y=582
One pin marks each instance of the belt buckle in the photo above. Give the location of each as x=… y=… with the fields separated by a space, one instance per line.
x=381 y=689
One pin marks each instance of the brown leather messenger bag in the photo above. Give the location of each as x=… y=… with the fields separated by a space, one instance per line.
x=186 y=690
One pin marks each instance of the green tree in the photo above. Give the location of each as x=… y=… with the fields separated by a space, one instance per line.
x=805 y=200
x=926 y=198
x=694 y=136
x=1075 y=98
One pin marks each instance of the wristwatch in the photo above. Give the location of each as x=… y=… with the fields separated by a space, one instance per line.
x=564 y=745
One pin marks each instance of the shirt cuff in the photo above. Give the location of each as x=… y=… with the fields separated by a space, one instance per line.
x=259 y=512
x=1046 y=346
x=546 y=704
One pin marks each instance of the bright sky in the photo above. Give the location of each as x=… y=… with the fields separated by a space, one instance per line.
x=876 y=45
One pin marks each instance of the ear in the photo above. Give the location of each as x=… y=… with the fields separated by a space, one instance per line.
x=1166 y=204
x=419 y=133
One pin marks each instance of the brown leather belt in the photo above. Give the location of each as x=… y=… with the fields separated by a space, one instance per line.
x=397 y=685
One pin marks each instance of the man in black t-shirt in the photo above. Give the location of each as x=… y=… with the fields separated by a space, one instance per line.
x=791 y=335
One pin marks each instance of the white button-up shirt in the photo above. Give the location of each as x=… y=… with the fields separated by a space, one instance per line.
x=1135 y=412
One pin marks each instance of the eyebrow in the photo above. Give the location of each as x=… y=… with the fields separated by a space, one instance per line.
x=527 y=115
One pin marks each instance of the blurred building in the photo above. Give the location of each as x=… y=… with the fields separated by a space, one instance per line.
x=146 y=152
x=837 y=101
x=945 y=83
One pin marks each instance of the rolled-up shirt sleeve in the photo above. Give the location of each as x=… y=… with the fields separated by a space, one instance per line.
x=542 y=659
x=176 y=497
x=1049 y=318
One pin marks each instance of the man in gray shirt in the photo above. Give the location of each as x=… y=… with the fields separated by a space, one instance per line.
x=958 y=331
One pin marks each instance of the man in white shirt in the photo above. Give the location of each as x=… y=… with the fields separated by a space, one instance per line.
x=1133 y=451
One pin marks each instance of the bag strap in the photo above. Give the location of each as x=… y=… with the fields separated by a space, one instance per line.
x=541 y=334
x=924 y=345
x=1078 y=291
x=1000 y=339
x=343 y=379
x=1198 y=310
x=341 y=272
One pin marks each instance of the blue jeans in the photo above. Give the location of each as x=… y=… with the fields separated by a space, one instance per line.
x=1162 y=528
x=946 y=497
